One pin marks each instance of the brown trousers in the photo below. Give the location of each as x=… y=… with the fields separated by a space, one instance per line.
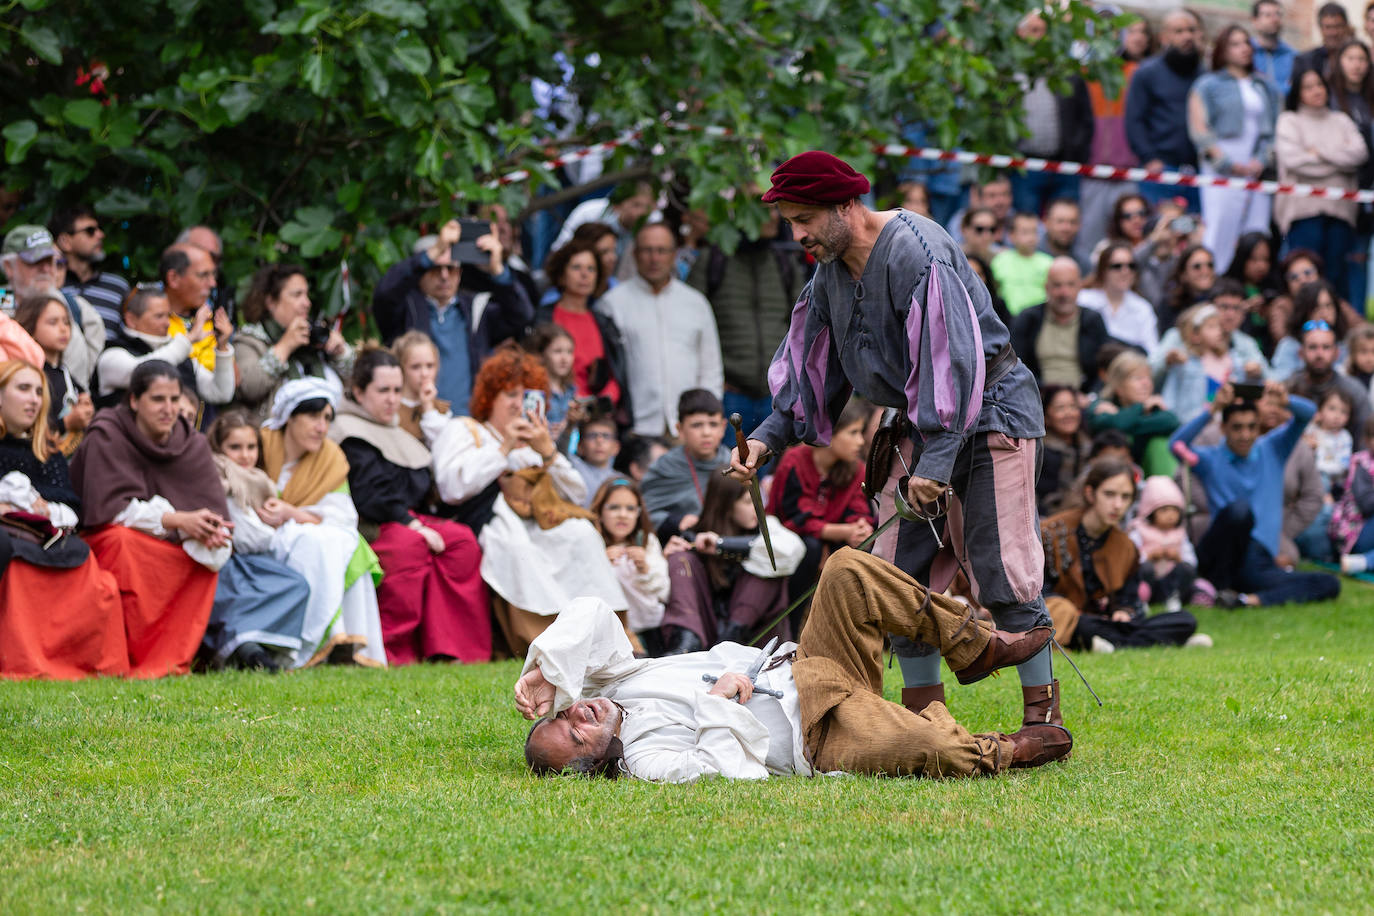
x=846 y=723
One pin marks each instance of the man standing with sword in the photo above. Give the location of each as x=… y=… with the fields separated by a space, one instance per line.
x=895 y=314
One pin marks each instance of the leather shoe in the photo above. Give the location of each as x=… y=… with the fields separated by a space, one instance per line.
x=1002 y=650
x=1037 y=745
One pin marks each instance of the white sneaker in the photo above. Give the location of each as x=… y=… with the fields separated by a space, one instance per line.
x=1199 y=641
x=1101 y=645
x=1173 y=604
x=1352 y=563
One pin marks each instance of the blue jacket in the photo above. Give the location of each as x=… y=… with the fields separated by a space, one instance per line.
x=1157 y=113
x=1276 y=64
x=1220 y=94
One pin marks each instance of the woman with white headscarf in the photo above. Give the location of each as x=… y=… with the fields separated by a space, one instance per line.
x=316 y=527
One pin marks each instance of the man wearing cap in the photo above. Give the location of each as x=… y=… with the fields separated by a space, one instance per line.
x=895 y=314
x=423 y=293
x=609 y=713
x=31 y=264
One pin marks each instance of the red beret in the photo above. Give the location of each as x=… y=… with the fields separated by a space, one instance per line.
x=815 y=178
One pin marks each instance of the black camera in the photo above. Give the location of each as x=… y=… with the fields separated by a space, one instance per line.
x=319 y=334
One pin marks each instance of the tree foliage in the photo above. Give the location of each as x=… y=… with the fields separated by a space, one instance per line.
x=331 y=129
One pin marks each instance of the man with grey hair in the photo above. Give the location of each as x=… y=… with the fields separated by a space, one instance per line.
x=209 y=241
x=30 y=261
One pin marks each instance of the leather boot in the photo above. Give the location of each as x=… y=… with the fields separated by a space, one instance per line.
x=1042 y=705
x=1037 y=745
x=685 y=641
x=1003 y=650
x=918 y=698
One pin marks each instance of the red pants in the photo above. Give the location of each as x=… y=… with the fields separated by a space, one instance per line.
x=60 y=623
x=432 y=604
x=166 y=596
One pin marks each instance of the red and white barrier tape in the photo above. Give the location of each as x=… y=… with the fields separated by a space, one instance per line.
x=1116 y=173
x=995 y=160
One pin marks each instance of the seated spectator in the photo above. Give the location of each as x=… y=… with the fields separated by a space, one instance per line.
x=1168 y=563
x=424 y=293
x=260 y=602
x=983 y=271
x=1243 y=480
x=539 y=547
x=597 y=448
x=1318 y=374
x=639 y=453
x=433 y=603
x=1359 y=362
x=1065 y=449
x=1254 y=269
x=1062 y=219
x=46 y=318
x=1058 y=341
x=423 y=413
x=279 y=341
x=817 y=493
x=554 y=348
x=315 y=527
x=1351 y=526
x=913 y=196
x=1092 y=572
x=29 y=261
x=1190 y=385
x=189 y=277
x=143 y=338
x=1128 y=316
x=77 y=234
x=1303 y=267
x=636 y=557
x=1128 y=403
x=576 y=272
x=676 y=482
x=1227 y=297
x=16 y=344
x=1319 y=146
x=994 y=196
x=1022 y=269
x=723 y=586
x=1194 y=274
x=84 y=633
x=979 y=232
x=156 y=518
x=1156 y=246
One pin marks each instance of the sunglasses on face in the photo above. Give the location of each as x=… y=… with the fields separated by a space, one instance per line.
x=86 y=230
x=1123 y=265
x=983 y=230
x=445 y=269
x=1133 y=214
x=1200 y=265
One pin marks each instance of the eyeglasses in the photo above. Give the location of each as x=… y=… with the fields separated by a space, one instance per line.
x=982 y=230
x=1134 y=214
x=1315 y=324
x=1123 y=265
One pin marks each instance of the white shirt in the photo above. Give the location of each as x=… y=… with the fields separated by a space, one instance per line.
x=1134 y=322
x=673 y=730
x=671 y=345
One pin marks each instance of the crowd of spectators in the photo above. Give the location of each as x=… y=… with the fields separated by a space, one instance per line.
x=208 y=486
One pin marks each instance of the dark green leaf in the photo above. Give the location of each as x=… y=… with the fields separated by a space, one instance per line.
x=319 y=73
x=19 y=136
x=402 y=12
x=83 y=113
x=237 y=101
x=121 y=203
x=42 y=40
x=410 y=52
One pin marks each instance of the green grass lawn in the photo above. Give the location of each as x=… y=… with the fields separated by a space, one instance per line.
x=1234 y=778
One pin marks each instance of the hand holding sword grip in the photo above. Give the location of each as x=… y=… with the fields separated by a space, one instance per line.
x=746 y=458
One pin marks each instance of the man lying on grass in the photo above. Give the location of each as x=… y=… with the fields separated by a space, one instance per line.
x=610 y=713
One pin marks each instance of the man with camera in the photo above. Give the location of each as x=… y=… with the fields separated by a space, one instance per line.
x=424 y=293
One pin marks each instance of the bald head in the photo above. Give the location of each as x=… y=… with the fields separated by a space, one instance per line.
x=1062 y=285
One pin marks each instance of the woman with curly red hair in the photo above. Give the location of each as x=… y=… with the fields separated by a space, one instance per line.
x=506 y=479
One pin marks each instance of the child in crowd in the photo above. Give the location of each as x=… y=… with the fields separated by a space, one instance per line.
x=423 y=413
x=1168 y=563
x=676 y=483
x=1191 y=383
x=260 y=603
x=1359 y=364
x=49 y=323
x=597 y=447
x=638 y=454
x=1021 y=270
x=1331 y=441
x=1350 y=520
x=635 y=556
x=817 y=492
x=1129 y=404
x=723 y=587
x=554 y=346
